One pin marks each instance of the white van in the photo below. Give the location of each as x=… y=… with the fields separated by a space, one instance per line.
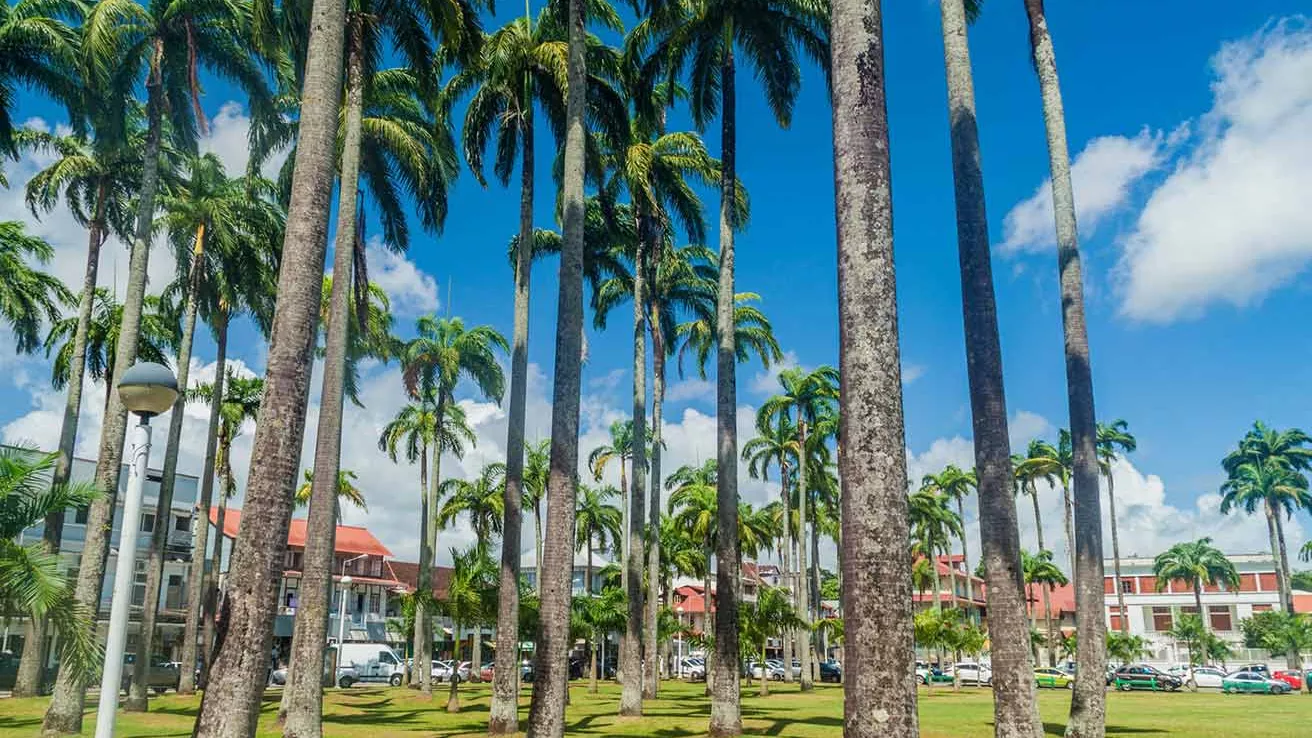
x=373 y=662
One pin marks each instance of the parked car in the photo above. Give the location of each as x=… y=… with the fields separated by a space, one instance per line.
x=693 y=667
x=373 y=662
x=1292 y=678
x=160 y=676
x=1252 y=681
x=1055 y=678
x=1142 y=676
x=346 y=676
x=973 y=673
x=1262 y=669
x=927 y=675
x=486 y=671
x=9 y=672
x=1204 y=677
x=774 y=671
x=831 y=671
x=442 y=670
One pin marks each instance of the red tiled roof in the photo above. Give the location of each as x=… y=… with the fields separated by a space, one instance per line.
x=407 y=573
x=1060 y=600
x=1303 y=603
x=351 y=539
x=690 y=598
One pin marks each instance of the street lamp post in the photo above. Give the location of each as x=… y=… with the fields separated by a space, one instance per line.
x=679 y=610
x=147 y=389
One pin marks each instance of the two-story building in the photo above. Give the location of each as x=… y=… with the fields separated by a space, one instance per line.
x=363 y=580
x=1152 y=607
x=956 y=588
x=172 y=605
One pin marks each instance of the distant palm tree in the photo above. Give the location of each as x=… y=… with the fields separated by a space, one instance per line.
x=597 y=525
x=1197 y=562
x=1040 y=463
x=621 y=449
x=28 y=296
x=602 y=613
x=775 y=444
x=1276 y=488
x=1039 y=570
x=956 y=485
x=479 y=500
x=241 y=401
x=419 y=429
x=346 y=491
x=470 y=600
x=1288 y=451
x=1114 y=439
x=933 y=526
x=537 y=468
x=770 y=616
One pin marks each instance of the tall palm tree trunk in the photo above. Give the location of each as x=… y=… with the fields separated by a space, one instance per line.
x=630 y=656
x=651 y=621
x=504 y=715
x=788 y=637
x=1068 y=518
x=1283 y=563
x=213 y=595
x=232 y=700
x=27 y=682
x=1014 y=710
x=803 y=576
x=708 y=618
x=197 y=588
x=879 y=699
x=303 y=700
x=537 y=548
x=137 y=700
x=1116 y=554
x=1084 y=534
x=726 y=718
x=551 y=674
x=430 y=526
x=65 y=712
x=423 y=664
x=1038 y=518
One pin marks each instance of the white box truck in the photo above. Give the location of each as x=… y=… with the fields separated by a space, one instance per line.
x=372 y=662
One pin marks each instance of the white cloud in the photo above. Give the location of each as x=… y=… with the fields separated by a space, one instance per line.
x=229 y=138
x=766 y=381
x=412 y=290
x=1231 y=222
x=1102 y=176
x=691 y=389
x=912 y=372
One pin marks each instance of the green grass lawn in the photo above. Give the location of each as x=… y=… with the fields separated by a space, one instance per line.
x=371 y=712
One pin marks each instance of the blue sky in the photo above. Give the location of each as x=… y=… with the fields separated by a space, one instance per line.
x=1192 y=127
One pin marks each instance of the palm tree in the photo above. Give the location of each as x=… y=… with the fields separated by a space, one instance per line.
x=956 y=484
x=703 y=38
x=1087 y=703
x=1286 y=450
x=551 y=674
x=40 y=51
x=621 y=448
x=693 y=506
x=806 y=396
x=1275 y=487
x=28 y=296
x=278 y=439
x=164 y=42
x=597 y=525
x=95 y=179
x=1040 y=463
x=933 y=525
x=1197 y=562
x=775 y=444
x=479 y=500
x=212 y=220
x=346 y=491
x=1065 y=468
x=770 y=616
x=600 y=614
x=158 y=336
x=469 y=596
x=1113 y=440
x=537 y=466
x=517 y=68
x=1039 y=570
x=240 y=402
x=1014 y=707
x=31 y=582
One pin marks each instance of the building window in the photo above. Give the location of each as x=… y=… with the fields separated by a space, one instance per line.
x=1162 y=620
x=1261 y=608
x=80 y=516
x=1219 y=616
x=148 y=522
x=375 y=602
x=139 y=584
x=182 y=524
x=376 y=567
x=1127 y=586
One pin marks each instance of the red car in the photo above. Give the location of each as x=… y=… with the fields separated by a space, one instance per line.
x=1292 y=678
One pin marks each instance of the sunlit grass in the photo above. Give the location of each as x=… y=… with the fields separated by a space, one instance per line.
x=373 y=712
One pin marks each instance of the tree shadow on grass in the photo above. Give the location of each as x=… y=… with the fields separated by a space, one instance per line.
x=1060 y=729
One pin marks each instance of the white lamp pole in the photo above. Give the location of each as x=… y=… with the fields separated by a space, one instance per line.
x=341 y=611
x=679 y=610
x=147 y=390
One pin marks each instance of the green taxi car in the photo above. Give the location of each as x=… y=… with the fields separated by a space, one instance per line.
x=1252 y=681
x=1054 y=678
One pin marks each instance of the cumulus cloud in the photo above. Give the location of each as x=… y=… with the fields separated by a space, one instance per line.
x=229 y=139
x=1231 y=222
x=1102 y=175
x=412 y=291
